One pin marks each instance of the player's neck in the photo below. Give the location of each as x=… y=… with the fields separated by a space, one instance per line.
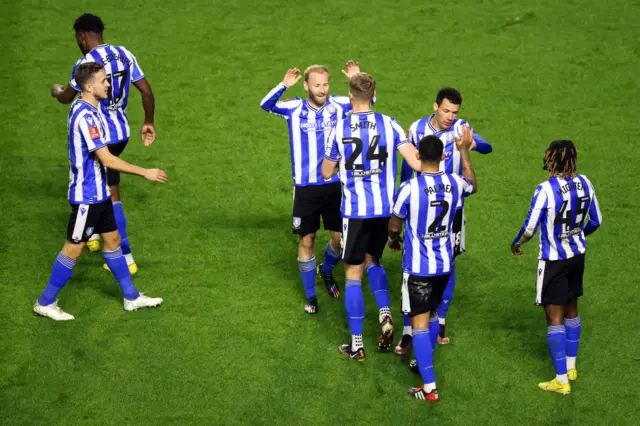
x=361 y=106
x=430 y=167
x=93 y=43
x=90 y=99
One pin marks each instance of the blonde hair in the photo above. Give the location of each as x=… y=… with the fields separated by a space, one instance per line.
x=315 y=68
x=362 y=86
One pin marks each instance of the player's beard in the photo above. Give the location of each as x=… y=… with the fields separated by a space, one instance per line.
x=316 y=100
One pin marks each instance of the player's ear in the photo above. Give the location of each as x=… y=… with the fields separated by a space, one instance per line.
x=443 y=156
x=435 y=106
x=305 y=85
x=350 y=96
x=418 y=156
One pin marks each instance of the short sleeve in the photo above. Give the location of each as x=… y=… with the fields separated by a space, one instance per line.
x=401 y=206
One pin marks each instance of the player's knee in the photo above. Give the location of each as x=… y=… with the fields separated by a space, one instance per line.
x=307 y=242
x=370 y=261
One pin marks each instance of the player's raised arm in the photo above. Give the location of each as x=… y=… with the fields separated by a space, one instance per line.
x=112 y=162
x=148 y=131
x=64 y=95
x=530 y=226
x=464 y=143
x=270 y=102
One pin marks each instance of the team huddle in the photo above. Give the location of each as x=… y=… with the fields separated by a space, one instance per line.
x=344 y=159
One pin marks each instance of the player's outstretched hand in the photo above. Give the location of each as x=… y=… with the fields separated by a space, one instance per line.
x=353 y=67
x=56 y=89
x=465 y=140
x=148 y=133
x=292 y=77
x=156 y=175
x=516 y=250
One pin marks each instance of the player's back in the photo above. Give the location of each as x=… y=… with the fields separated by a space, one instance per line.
x=563 y=205
x=428 y=203
x=366 y=143
x=87 y=176
x=122 y=70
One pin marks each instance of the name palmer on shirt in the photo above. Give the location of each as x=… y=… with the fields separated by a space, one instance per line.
x=438 y=188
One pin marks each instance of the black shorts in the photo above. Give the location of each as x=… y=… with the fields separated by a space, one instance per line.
x=360 y=236
x=113 y=176
x=89 y=219
x=311 y=202
x=559 y=281
x=458 y=233
x=422 y=294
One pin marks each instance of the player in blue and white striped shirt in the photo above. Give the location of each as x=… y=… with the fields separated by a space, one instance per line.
x=122 y=70
x=91 y=207
x=566 y=210
x=310 y=121
x=363 y=147
x=445 y=124
x=427 y=205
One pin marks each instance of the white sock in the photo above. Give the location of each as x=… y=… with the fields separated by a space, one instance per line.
x=407 y=330
x=571 y=362
x=356 y=342
x=428 y=387
x=562 y=379
x=129 y=258
x=384 y=312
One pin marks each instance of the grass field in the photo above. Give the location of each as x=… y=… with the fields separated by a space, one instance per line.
x=231 y=344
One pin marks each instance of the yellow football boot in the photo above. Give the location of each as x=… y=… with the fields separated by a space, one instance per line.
x=554 y=386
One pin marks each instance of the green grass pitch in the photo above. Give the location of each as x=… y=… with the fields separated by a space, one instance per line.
x=231 y=344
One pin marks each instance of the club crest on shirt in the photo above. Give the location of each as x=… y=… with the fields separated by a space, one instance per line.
x=297 y=222
x=89 y=231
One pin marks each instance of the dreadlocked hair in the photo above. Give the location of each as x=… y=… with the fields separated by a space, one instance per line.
x=561 y=158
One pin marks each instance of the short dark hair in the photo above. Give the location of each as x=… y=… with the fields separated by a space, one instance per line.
x=362 y=86
x=88 y=23
x=85 y=71
x=561 y=158
x=430 y=148
x=450 y=94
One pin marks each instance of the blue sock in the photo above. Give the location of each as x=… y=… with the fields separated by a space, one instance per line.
x=331 y=258
x=354 y=304
x=557 y=340
x=406 y=321
x=308 y=273
x=424 y=354
x=573 y=328
x=121 y=223
x=60 y=275
x=379 y=285
x=118 y=265
x=443 y=307
x=433 y=331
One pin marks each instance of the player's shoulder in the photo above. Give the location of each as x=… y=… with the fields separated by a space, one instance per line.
x=544 y=187
x=405 y=187
x=586 y=180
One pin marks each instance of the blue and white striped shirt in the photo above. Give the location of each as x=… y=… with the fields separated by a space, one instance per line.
x=309 y=129
x=452 y=162
x=87 y=175
x=560 y=208
x=122 y=69
x=365 y=145
x=427 y=203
